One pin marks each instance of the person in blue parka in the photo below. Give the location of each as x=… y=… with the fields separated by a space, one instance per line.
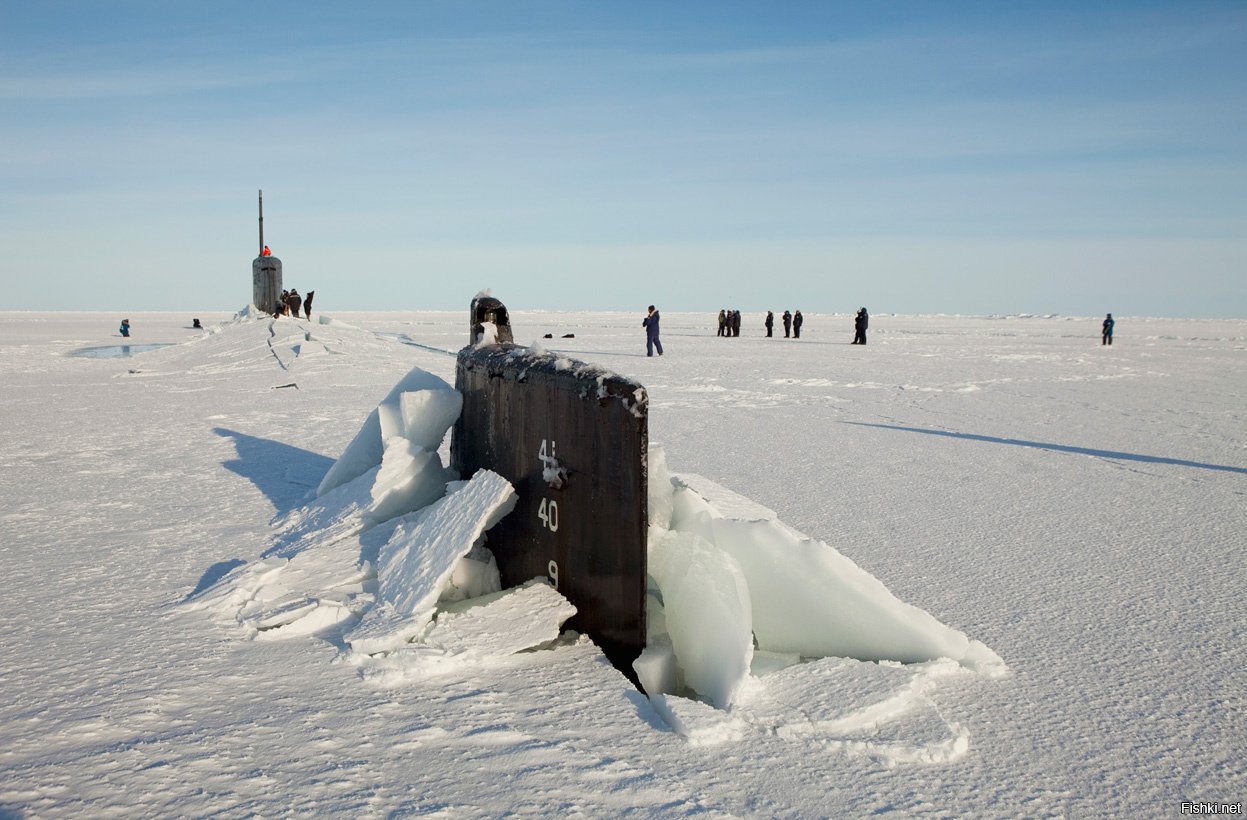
x=650 y=323
x=125 y=328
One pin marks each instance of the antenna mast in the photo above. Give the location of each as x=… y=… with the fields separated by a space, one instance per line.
x=261 y=221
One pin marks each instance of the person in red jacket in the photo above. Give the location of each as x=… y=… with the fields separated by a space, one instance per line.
x=266 y=251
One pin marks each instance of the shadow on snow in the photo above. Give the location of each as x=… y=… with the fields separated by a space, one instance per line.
x=211 y=575
x=1060 y=448
x=283 y=473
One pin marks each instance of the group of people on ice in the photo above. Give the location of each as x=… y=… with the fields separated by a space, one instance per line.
x=729 y=325
x=291 y=302
x=729 y=322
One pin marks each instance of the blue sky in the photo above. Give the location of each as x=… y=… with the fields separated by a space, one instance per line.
x=922 y=157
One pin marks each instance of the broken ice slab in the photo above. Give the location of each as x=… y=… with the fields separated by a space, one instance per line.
x=365 y=450
x=420 y=557
x=707 y=604
x=501 y=623
x=809 y=599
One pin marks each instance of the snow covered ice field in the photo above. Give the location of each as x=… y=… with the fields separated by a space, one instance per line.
x=1078 y=509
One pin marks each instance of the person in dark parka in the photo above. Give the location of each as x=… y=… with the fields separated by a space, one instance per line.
x=860 y=323
x=307 y=303
x=723 y=322
x=296 y=303
x=797 y=321
x=735 y=322
x=650 y=323
x=770 y=323
x=1106 y=330
x=787 y=324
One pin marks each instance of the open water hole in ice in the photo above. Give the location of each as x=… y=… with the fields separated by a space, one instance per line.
x=116 y=351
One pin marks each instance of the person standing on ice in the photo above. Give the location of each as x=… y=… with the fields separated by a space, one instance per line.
x=1106 y=330
x=723 y=322
x=307 y=303
x=296 y=302
x=860 y=323
x=125 y=328
x=787 y=324
x=770 y=323
x=650 y=323
x=796 y=325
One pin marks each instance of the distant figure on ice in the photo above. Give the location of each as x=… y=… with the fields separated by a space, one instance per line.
x=266 y=251
x=787 y=324
x=650 y=323
x=195 y=324
x=723 y=322
x=283 y=307
x=796 y=325
x=307 y=303
x=125 y=328
x=860 y=323
x=296 y=303
x=1106 y=330
x=770 y=323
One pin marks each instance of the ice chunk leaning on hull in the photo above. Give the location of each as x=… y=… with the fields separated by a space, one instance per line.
x=729 y=573
x=316 y=573
x=807 y=598
x=418 y=560
x=411 y=477
x=493 y=626
x=424 y=415
x=707 y=610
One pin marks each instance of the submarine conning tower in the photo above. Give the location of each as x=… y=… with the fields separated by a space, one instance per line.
x=488 y=310
x=572 y=438
x=265 y=274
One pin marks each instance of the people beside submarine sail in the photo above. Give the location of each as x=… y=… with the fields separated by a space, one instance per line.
x=650 y=323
